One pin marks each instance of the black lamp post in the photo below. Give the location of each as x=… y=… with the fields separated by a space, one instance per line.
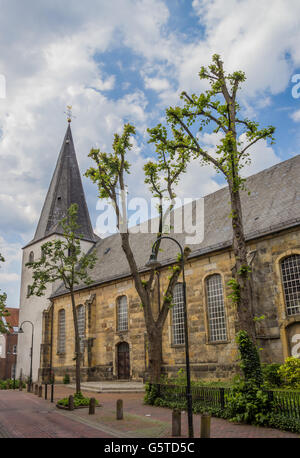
x=20 y=331
x=153 y=263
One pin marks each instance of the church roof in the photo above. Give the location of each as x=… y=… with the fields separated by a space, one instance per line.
x=65 y=188
x=273 y=205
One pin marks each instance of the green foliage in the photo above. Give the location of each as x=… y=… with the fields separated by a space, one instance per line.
x=247 y=403
x=271 y=376
x=79 y=400
x=250 y=363
x=9 y=384
x=290 y=372
x=235 y=290
x=62 y=259
x=151 y=393
x=66 y=379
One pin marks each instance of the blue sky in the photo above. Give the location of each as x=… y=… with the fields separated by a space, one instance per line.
x=127 y=60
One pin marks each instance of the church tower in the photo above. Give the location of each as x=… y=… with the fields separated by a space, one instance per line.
x=65 y=188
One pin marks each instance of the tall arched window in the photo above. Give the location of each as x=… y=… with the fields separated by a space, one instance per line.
x=122 y=314
x=215 y=309
x=290 y=270
x=81 y=325
x=31 y=256
x=178 y=315
x=61 y=336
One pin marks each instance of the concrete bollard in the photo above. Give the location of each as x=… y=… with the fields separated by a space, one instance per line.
x=205 y=426
x=40 y=391
x=176 y=422
x=92 y=406
x=119 y=409
x=36 y=389
x=71 y=402
x=28 y=387
x=20 y=385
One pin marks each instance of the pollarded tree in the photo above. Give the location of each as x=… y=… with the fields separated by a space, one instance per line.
x=218 y=106
x=63 y=260
x=3 y=312
x=162 y=176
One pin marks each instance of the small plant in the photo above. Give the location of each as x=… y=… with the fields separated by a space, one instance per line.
x=66 y=379
x=79 y=401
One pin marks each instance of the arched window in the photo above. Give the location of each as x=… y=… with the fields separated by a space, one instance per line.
x=290 y=270
x=81 y=325
x=215 y=309
x=178 y=316
x=61 y=335
x=31 y=256
x=122 y=314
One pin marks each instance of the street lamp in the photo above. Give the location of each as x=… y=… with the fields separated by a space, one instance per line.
x=20 y=331
x=153 y=263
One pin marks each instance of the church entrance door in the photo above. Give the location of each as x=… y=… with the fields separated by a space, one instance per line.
x=123 y=361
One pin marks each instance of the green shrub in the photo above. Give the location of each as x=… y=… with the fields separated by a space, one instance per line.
x=66 y=379
x=250 y=363
x=79 y=400
x=248 y=403
x=290 y=372
x=9 y=384
x=272 y=378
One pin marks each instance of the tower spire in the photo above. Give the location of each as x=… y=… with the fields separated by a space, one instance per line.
x=65 y=189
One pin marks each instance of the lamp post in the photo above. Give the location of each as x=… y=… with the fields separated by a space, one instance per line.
x=153 y=263
x=20 y=331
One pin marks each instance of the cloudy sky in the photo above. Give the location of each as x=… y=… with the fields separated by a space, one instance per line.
x=127 y=60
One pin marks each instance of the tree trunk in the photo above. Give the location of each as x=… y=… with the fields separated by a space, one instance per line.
x=155 y=353
x=77 y=344
x=242 y=275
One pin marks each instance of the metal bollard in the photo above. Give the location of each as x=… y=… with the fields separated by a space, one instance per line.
x=52 y=392
x=46 y=390
x=119 y=409
x=176 y=422
x=71 y=402
x=28 y=387
x=20 y=385
x=205 y=426
x=92 y=406
x=40 y=391
x=36 y=389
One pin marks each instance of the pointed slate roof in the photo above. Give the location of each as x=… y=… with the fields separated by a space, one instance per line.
x=65 y=188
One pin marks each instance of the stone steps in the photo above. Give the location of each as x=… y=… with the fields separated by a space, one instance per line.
x=111 y=387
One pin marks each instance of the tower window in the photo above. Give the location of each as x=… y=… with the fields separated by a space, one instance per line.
x=31 y=256
x=122 y=314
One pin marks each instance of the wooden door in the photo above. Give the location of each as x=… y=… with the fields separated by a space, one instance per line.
x=123 y=361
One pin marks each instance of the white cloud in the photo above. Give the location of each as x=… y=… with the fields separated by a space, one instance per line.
x=295 y=116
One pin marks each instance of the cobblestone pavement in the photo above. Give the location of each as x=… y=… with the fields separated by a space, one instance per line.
x=24 y=414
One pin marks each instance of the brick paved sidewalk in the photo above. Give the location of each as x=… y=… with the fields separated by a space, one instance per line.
x=147 y=421
x=24 y=414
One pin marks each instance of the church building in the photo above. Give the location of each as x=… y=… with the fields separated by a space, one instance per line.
x=110 y=318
